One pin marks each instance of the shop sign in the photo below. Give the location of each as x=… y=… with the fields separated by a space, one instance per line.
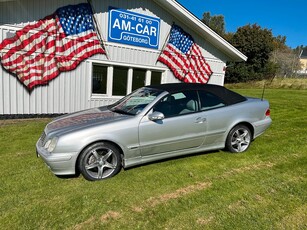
x=135 y=29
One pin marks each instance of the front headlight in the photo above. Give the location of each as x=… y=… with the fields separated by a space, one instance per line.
x=50 y=144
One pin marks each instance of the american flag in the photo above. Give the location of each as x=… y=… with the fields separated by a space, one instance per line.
x=183 y=56
x=40 y=51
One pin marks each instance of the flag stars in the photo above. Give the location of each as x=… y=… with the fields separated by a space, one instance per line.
x=76 y=20
x=180 y=39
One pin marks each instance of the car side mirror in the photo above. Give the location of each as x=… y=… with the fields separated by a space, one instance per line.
x=156 y=116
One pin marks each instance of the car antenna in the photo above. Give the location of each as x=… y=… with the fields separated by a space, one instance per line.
x=263 y=91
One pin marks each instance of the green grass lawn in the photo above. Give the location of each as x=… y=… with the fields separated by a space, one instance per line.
x=264 y=188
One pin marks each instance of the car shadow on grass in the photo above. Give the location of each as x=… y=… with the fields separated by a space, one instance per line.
x=173 y=158
x=65 y=177
x=68 y=176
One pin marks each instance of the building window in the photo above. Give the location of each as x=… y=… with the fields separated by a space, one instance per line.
x=156 y=78
x=139 y=78
x=120 y=80
x=99 y=80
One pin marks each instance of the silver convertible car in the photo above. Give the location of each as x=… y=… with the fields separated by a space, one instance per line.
x=152 y=123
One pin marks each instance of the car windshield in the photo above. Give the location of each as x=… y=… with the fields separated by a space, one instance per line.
x=135 y=102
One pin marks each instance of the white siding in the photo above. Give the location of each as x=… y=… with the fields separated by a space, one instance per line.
x=71 y=91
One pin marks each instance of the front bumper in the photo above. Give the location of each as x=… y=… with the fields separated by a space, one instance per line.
x=58 y=163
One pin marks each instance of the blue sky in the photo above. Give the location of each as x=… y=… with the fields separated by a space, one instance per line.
x=283 y=17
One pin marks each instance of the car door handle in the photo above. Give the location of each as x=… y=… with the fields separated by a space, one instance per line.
x=200 y=120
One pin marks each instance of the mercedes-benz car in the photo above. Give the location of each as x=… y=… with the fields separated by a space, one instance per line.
x=150 y=124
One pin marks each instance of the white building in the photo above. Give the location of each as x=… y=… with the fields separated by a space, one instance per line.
x=103 y=79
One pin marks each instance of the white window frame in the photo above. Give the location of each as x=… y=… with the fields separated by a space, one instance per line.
x=110 y=70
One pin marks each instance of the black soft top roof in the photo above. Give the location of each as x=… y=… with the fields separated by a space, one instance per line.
x=225 y=94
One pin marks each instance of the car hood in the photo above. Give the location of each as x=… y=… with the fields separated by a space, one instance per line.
x=83 y=119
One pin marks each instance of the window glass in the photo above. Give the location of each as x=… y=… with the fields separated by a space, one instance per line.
x=99 y=80
x=179 y=103
x=139 y=76
x=156 y=78
x=209 y=101
x=120 y=78
x=135 y=102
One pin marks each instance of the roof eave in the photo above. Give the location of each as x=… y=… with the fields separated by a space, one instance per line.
x=212 y=37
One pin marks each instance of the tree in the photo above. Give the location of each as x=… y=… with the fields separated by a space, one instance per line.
x=279 y=42
x=286 y=59
x=257 y=44
x=267 y=55
x=216 y=22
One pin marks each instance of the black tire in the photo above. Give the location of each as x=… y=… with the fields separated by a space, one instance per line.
x=99 y=161
x=238 y=139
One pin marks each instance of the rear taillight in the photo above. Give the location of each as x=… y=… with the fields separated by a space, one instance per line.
x=268 y=112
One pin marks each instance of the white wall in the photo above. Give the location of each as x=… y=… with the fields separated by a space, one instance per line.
x=71 y=91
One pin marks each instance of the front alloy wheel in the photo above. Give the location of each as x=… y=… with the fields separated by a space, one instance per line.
x=99 y=161
x=238 y=139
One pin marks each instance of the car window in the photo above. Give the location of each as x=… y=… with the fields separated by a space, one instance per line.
x=178 y=103
x=209 y=101
x=135 y=102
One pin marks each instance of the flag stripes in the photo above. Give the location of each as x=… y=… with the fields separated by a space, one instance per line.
x=184 y=58
x=42 y=50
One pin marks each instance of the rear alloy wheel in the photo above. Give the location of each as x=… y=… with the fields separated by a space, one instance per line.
x=99 y=161
x=238 y=139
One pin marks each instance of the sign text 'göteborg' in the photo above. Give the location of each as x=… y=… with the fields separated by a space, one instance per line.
x=131 y=28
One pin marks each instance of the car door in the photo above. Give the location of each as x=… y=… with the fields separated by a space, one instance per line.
x=182 y=128
x=217 y=118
